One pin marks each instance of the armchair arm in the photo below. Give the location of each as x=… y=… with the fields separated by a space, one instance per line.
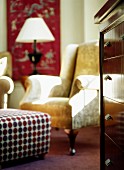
x=6 y=87
x=39 y=86
x=85 y=94
x=82 y=82
x=88 y=82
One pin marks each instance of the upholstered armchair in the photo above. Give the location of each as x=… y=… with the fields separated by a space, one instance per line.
x=72 y=98
x=6 y=63
x=6 y=82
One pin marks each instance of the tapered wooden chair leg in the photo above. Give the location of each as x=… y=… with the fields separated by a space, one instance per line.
x=72 y=137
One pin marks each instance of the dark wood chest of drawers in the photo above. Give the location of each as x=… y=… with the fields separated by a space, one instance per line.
x=111 y=22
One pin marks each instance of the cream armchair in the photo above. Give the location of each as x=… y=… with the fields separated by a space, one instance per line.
x=72 y=99
x=6 y=82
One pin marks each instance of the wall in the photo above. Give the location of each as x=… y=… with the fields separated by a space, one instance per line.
x=77 y=21
x=72 y=27
x=91 y=7
x=3 y=44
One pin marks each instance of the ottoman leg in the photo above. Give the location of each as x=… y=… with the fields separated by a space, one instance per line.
x=42 y=156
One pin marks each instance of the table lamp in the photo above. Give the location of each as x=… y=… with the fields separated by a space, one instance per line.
x=34 y=30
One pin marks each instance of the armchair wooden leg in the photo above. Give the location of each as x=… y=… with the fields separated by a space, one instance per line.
x=72 y=136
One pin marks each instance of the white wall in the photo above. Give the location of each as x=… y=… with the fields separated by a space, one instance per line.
x=3 y=44
x=72 y=27
x=91 y=30
x=77 y=21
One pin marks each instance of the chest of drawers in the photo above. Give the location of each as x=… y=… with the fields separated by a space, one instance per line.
x=111 y=22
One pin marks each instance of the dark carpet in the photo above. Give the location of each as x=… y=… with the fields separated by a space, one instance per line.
x=87 y=156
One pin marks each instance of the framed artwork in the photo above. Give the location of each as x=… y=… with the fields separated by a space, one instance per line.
x=17 y=12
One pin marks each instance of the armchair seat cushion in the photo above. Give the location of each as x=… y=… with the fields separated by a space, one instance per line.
x=72 y=112
x=54 y=107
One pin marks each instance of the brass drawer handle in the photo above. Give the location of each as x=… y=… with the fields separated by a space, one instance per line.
x=107 y=44
x=108 y=162
x=122 y=37
x=108 y=117
x=107 y=78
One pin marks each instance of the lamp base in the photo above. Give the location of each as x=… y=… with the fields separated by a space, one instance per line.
x=34 y=72
x=34 y=58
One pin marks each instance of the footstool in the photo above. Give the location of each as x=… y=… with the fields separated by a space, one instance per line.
x=23 y=133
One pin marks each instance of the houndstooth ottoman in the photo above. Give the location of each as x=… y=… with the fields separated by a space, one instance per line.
x=23 y=134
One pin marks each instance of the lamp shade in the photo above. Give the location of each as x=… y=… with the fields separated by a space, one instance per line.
x=34 y=29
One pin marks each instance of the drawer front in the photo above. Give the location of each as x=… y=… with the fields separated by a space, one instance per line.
x=113 y=78
x=114 y=42
x=114 y=157
x=114 y=121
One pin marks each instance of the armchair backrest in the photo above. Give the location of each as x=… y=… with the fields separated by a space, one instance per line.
x=68 y=67
x=78 y=59
x=87 y=61
x=68 y=62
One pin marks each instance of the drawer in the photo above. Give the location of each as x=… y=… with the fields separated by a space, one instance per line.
x=113 y=156
x=114 y=121
x=113 y=86
x=110 y=48
x=113 y=65
x=113 y=42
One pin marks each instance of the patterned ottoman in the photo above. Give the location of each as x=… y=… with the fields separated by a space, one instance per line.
x=23 y=134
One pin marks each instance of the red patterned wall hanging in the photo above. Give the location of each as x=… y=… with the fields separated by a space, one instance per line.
x=17 y=12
